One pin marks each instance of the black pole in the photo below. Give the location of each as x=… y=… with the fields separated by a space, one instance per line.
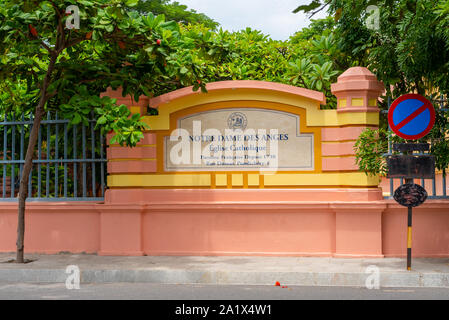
x=409 y=233
x=409 y=239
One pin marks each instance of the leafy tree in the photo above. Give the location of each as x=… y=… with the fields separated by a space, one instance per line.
x=251 y=55
x=410 y=49
x=175 y=11
x=67 y=69
x=409 y=52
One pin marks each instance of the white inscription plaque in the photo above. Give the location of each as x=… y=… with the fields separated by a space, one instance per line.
x=240 y=139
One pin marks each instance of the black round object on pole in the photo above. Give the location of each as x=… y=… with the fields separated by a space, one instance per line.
x=410 y=195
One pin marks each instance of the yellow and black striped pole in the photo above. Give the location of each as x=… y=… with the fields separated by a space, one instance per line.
x=409 y=239
x=409 y=232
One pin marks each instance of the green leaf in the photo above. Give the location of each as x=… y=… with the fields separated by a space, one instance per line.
x=308 y=7
x=102 y=120
x=183 y=70
x=131 y=3
x=76 y=119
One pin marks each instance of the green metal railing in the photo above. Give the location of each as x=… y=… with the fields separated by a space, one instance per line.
x=69 y=163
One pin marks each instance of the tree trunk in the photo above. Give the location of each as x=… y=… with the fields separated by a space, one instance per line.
x=23 y=189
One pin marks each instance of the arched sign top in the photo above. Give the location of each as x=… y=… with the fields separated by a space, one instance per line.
x=411 y=116
x=273 y=87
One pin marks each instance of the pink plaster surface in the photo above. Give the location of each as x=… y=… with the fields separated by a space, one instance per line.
x=341 y=134
x=358 y=230
x=337 y=149
x=131 y=153
x=236 y=232
x=357 y=83
x=339 y=164
x=358 y=109
x=240 y=196
x=430 y=230
x=52 y=227
x=132 y=167
x=121 y=230
x=239 y=84
x=188 y=222
x=357 y=79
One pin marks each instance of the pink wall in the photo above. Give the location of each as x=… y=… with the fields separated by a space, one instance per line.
x=430 y=230
x=341 y=222
x=217 y=222
x=52 y=227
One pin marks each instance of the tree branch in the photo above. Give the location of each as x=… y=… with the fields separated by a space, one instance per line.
x=50 y=50
x=316 y=11
x=60 y=40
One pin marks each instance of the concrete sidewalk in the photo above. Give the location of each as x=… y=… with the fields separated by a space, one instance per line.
x=226 y=270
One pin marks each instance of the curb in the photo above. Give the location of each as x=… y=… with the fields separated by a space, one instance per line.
x=91 y=276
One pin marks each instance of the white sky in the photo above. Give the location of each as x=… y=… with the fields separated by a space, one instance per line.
x=272 y=17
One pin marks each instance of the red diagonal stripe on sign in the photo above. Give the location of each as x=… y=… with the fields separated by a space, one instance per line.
x=410 y=117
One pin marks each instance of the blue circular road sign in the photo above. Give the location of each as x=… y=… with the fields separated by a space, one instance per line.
x=411 y=116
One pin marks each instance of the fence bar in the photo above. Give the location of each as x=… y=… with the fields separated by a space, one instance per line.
x=56 y=157
x=83 y=129
x=47 y=172
x=43 y=161
x=444 y=183
x=92 y=135
x=443 y=178
x=66 y=137
x=434 y=189
x=13 y=155
x=5 y=143
x=22 y=143
x=30 y=178
x=390 y=148
x=75 y=169
x=39 y=156
x=101 y=165
x=6 y=123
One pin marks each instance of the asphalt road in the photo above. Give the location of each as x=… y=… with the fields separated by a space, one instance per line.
x=146 y=291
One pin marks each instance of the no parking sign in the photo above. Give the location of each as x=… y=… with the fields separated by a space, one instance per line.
x=411 y=116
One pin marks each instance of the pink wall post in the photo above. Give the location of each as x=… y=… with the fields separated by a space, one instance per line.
x=358 y=226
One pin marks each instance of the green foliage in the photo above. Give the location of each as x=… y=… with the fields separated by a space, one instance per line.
x=128 y=127
x=250 y=55
x=313 y=5
x=410 y=49
x=409 y=52
x=175 y=11
x=369 y=150
x=114 y=47
x=438 y=138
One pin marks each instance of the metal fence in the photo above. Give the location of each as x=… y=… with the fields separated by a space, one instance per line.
x=436 y=187
x=68 y=164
